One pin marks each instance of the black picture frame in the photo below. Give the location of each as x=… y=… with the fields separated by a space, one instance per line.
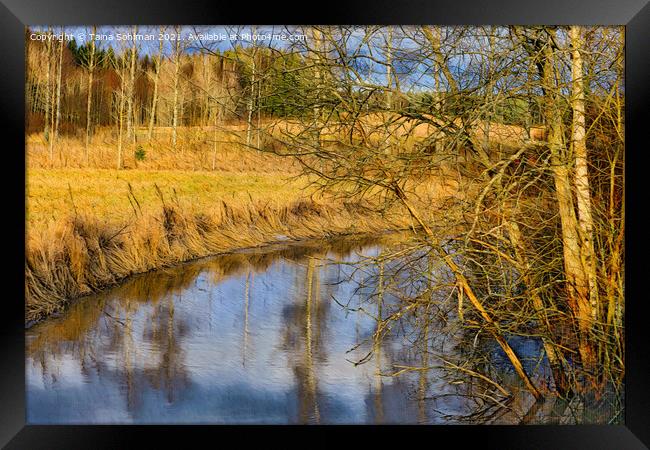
x=16 y=14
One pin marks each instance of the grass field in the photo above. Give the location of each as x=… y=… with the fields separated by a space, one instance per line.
x=54 y=194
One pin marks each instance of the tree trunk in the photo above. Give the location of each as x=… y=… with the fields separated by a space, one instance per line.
x=121 y=120
x=152 y=116
x=91 y=69
x=251 y=98
x=214 y=148
x=576 y=280
x=554 y=356
x=48 y=94
x=433 y=35
x=259 y=111
x=317 y=36
x=55 y=133
x=464 y=285
x=130 y=117
x=177 y=65
x=583 y=193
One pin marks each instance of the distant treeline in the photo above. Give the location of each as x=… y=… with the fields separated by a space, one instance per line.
x=182 y=87
x=200 y=85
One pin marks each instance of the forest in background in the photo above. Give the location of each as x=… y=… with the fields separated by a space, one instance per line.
x=179 y=87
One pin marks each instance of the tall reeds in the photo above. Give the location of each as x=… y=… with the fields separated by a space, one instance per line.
x=84 y=253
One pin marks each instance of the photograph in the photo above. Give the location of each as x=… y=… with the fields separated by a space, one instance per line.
x=324 y=224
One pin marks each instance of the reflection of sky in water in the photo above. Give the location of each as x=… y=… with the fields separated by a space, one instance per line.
x=256 y=345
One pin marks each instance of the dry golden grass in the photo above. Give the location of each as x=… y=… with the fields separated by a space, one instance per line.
x=54 y=194
x=89 y=228
x=85 y=253
x=407 y=134
x=195 y=150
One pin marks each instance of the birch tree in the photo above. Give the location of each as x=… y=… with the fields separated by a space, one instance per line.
x=57 y=110
x=120 y=64
x=177 y=69
x=91 y=71
x=253 y=82
x=579 y=143
x=156 y=80
x=48 y=91
x=130 y=117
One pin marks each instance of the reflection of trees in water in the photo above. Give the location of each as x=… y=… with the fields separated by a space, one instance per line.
x=304 y=339
x=247 y=290
x=118 y=355
x=396 y=291
x=105 y=335
x=164 y=331
x=110 y=334
x=378 y=403
x=150 y=288
x=413 y=302
x=411 y=297
x=442 y=362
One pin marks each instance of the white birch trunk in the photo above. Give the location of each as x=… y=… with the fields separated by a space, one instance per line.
x=579 y=142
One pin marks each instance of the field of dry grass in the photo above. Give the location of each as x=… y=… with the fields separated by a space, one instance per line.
x=204 y=149
x=89 y=226
x=198 y=149
x=54 y=194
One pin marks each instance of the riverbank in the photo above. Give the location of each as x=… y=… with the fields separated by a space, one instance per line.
x=90 y=229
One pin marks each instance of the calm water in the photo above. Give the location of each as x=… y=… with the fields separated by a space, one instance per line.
x=264 y=336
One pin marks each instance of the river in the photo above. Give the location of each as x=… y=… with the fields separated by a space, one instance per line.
x=282 y=334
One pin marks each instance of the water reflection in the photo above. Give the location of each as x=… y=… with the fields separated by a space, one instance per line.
x=274 y=335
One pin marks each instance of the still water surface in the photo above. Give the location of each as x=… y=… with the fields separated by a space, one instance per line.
x=268 y=335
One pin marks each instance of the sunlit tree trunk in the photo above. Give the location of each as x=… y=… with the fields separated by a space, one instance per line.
x=120 y=113
x=48 y=93
x=579 y=142
x=214 y=144
x=259 y=110
x=317 y=37
x=207 y=82
x=91 y=70
x=464 y=284
x=154 y=101
x=120 y=130
x=177 y=67
x=57 y=120
x=130 y=116
x=251 y=98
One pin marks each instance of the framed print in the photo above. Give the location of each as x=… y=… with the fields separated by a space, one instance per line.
x=374 y=219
